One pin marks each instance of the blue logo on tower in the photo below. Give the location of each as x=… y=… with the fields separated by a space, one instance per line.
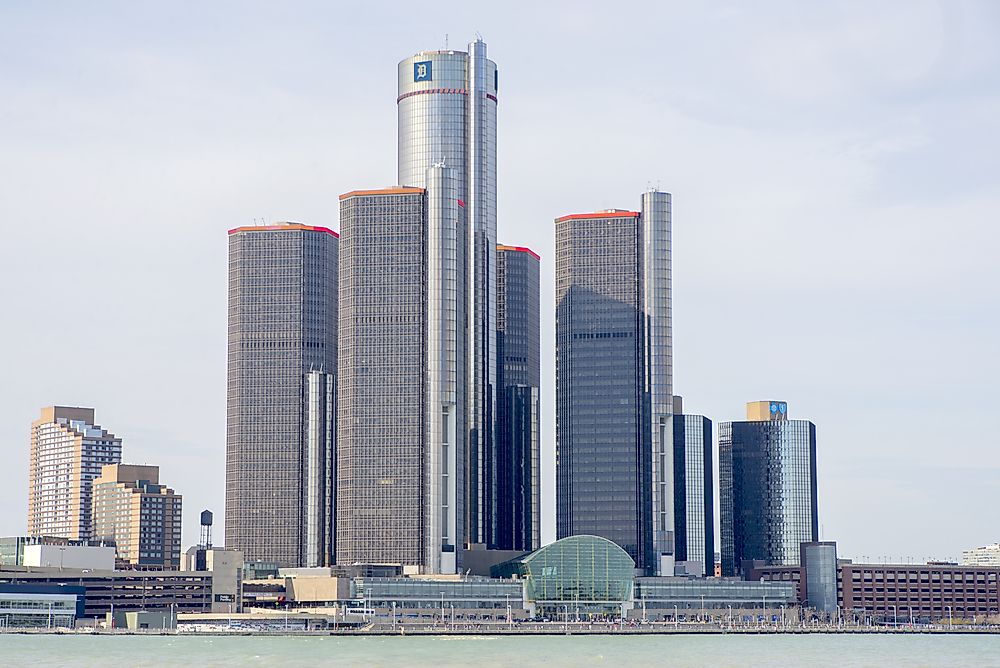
x=422 y=71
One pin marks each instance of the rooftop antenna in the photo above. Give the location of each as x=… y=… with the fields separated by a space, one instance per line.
x=446 y=41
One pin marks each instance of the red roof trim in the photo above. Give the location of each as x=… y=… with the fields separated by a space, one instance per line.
x=283 y=227
x=430 y=91
x=599 y=214
x=520 y=249
x=394 y=190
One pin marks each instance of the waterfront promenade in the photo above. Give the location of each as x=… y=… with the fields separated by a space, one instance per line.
x=527 y=629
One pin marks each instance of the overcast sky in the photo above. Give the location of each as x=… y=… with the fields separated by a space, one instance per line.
x=835 y=172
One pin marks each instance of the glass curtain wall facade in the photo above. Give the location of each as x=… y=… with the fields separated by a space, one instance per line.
x=578 y=574
x=694 y=504
x=282 y=328
x=381 y=417
x=447 y=106
x=767 y=490
x=518 y=449
x=614 y=462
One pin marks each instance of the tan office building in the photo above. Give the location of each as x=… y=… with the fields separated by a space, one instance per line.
x=67 y=452
x=137 y=513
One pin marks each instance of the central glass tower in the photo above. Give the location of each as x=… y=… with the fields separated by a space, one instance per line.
x=447 y=110
x=614 y=392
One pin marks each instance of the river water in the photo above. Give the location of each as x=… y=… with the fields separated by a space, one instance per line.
x=717 y=651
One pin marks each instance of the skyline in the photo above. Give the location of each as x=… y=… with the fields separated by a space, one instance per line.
x=874 y=130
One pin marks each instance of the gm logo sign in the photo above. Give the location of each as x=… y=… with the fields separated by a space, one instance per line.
x=422 y=71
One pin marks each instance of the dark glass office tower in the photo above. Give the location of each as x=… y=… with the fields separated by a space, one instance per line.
x=614 y=446
x=767 y=487
x=694 y=491
x=518 y=449
x=282 y=358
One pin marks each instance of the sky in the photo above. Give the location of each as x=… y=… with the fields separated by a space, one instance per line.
x=835 y=171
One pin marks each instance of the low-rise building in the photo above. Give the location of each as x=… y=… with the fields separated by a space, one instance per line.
x=125 y=590
x=226 y=567
x=691 y=599
x=454 y=598
x=25 y=608
x=55 y=552
x=895 y=593
x=988 y=555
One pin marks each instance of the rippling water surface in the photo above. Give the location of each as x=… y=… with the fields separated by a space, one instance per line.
x=487 y=651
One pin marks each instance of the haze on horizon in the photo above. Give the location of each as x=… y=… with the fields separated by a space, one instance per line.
x=835 y=172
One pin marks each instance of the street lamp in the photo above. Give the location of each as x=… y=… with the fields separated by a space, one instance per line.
x=895 y=617
x=675 y=616
x=442 y=608
x=702 y=607
x=949 y=615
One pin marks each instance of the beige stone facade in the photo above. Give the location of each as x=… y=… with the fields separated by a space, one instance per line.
x=67 y=452
x=137 y=513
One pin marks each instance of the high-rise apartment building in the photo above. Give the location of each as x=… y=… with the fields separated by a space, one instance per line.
x=515 y=464
x=767 y=487
x=67 y=452
x=694 y=491
x=447 y=110
x=281 y=393
x=614 y=455
x=141 y=517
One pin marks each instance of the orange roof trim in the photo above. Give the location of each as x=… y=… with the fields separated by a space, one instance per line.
x=611 y=213
x=285 y=227
x=397 y=190
x=520 y=249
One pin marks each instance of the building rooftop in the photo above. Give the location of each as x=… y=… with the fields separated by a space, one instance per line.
x=606 y=213
x=392 y=190
x=283 y=227
x=519 y=249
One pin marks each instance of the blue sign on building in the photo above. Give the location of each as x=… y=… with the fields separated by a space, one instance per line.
x=422 y=71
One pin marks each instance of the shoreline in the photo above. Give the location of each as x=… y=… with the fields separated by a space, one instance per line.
x=505 y=632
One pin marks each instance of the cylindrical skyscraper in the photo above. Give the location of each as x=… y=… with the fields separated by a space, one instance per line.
x=657 y=382
x=447 y=108
x=767 y=487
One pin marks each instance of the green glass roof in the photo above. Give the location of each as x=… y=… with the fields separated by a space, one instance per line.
x=577 y=568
